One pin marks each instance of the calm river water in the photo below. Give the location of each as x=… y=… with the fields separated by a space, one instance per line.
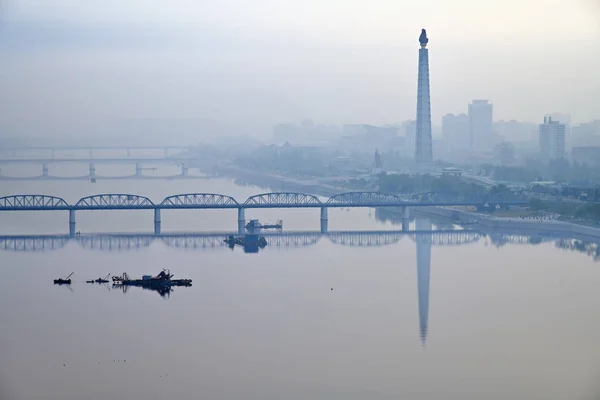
x=316 y=319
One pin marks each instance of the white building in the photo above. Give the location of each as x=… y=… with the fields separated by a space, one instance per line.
x=456 y=132
x=566 y=120
x=552 y=139
x=481 y=125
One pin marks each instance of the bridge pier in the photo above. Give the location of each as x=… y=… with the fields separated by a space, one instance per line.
x=324 y=220
x=157 y=221
x=45 y=170
x=405 y=219
x=184 y=170
x=92 y=170
x=138 y=168
x=241 y=221
x=72 y=223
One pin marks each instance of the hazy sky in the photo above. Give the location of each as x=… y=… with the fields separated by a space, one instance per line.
x=72 y=65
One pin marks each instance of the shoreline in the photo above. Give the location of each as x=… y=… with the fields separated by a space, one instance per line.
x=282 y=183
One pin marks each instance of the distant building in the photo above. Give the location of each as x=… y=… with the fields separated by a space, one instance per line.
x=366 y=138
x=566 y=120
x=409 y=128
x=515 y=131
x=504 y=153
x=307 y=133
x=586 y=155
x=587 y=134
x=552 y=139
x=452 y=171
x=481 y=125
x=456 y=132
x=378 y=164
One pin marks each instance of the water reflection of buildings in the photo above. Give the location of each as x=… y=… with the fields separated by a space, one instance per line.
x=591 y=249
x=423 y=236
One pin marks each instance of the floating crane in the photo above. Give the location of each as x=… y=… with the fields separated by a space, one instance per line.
x=99 y=280
x=64 y=281
x=255 y=225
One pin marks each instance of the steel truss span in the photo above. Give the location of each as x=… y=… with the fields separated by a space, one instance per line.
x=206 y=200
x=121 y=201
x=373 y=199
x=32 y=202
x=283 y=199
x=114 y=201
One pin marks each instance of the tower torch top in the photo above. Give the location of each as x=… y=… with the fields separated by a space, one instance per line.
x=423 y=38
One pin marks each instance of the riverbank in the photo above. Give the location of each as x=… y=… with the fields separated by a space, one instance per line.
x=496 y=223
x=484 y=221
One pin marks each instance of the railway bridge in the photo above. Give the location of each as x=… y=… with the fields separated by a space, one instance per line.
x=201 y=201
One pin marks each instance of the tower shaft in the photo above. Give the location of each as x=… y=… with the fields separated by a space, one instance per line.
x=423 y=145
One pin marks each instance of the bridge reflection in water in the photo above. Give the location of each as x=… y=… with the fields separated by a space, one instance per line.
x=423 y=236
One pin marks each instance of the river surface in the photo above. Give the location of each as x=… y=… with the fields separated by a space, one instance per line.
x=352 y=316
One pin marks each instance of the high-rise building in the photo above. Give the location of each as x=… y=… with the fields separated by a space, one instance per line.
x=482 y=127
x=552 y=139
x=456 y=132
x=566 y=120
x=504 y=153
x=424 y=145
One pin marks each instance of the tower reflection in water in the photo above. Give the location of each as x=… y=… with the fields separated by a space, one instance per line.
x=423 y=268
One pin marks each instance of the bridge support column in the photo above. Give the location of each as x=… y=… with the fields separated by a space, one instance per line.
x=72 y=223
x=157 y=221
x=405 y=219
x=324 y=220
x=45 y=170
x=92 y=170
x=184 y=170
x=241 y=221
x=138 y=169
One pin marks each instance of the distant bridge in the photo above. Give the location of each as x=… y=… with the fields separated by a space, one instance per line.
x=138 y=161
x=215 y=241
x=207 y=241
x=53 y=149
x=189 y=201
x=98 y=160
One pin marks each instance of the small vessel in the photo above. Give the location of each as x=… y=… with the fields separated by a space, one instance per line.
x=103 y=280
x=99 y=280
x=64 y=281
x=255 y=225
x=163 y=279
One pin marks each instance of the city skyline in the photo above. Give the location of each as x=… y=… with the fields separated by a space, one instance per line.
x=255 y=66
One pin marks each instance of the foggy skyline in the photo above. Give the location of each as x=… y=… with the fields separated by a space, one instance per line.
x=69 y=67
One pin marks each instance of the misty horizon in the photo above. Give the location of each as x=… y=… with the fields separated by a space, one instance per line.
x=74 y=70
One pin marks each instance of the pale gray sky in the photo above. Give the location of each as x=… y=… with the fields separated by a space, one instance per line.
x=75 y=65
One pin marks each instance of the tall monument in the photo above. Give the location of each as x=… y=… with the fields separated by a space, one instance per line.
x=423 y=144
